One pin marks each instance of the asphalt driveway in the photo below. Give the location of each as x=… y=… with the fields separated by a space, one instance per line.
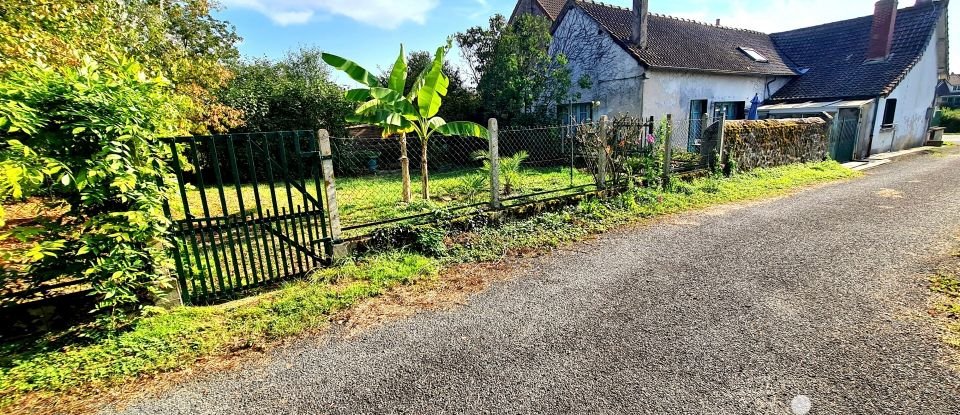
x=734 y=310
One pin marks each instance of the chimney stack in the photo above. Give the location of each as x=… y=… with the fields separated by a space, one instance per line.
x=640 y=17
x=881 y=32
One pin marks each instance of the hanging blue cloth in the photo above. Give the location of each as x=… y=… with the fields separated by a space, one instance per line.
x=754 y=107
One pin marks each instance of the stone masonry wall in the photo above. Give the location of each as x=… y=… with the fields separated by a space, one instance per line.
x=769 y=143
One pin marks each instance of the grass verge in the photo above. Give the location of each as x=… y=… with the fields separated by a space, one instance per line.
x=179 y=338
x=945 y=286
x=595 y=216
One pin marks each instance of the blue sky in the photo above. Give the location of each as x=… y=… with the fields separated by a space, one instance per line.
x=370 y=31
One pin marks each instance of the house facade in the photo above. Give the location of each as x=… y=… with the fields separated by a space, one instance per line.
x=948 y=92
x=876 y=76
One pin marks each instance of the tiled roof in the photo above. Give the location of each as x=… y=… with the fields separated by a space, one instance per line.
x=685 y=44
x=834 y=55
x=552 y=7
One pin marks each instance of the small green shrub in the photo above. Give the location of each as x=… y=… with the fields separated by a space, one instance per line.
x=950 y=119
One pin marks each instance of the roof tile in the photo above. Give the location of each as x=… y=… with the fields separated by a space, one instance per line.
x=834 y=55
x=685 y=44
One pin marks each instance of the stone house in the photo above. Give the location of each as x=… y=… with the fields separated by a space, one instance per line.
x=875 y=76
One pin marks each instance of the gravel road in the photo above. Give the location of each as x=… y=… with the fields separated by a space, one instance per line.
x=734 y=310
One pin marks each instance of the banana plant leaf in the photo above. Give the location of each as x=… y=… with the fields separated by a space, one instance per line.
x=354 y=71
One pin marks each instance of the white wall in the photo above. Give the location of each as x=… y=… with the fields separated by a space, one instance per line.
x=915 y=96
x=614 y=74
x=670 y=92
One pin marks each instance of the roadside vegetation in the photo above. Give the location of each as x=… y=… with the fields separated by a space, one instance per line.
x=945 y=285
x=176 y=339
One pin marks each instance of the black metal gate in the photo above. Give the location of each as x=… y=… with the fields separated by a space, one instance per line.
x=251 y=212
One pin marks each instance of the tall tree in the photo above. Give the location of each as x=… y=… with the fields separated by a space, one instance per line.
x=178 y=39
x=293 y=93
x=519 y=79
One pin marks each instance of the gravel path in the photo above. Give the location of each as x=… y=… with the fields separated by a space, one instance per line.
x=734 y=310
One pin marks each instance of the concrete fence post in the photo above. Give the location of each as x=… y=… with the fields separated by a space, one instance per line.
x=330 y=187
x=602 y=152
x=721 y=133
x=668 y=152
x=494 y=150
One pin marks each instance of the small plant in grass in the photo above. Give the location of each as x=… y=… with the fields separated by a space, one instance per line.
x=511 y=169
x=472 y=186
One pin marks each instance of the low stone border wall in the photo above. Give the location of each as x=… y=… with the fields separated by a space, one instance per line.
x=769 y=143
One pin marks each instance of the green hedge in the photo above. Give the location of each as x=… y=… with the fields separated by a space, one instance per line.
x=950 y=119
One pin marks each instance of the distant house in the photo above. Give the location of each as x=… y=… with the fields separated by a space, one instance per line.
x=546 y=8
x=948 y=91
x=875 y=75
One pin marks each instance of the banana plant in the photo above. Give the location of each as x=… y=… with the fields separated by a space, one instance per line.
x=402 y=112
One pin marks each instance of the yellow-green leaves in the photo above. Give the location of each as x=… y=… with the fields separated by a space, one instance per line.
x=434 y=88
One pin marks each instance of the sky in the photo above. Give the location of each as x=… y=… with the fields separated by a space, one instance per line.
x=370 y=31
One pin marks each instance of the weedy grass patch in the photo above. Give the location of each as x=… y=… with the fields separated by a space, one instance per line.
x=946 y=288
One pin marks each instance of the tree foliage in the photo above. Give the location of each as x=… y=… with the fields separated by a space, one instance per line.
x=89 y=137
x=291 y=94
x=518 y=78
x=177 y=39
x=461 y=102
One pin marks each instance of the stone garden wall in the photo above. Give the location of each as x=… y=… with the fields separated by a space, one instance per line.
x=769 y=143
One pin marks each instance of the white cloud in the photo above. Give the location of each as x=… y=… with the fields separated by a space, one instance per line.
x=386 y=14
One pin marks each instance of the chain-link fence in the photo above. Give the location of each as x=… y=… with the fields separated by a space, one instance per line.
x=693 y=143
x=381 y=180
x=541 y=162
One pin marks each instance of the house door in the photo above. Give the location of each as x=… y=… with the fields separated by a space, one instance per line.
x=698 y=108
x=843 y=140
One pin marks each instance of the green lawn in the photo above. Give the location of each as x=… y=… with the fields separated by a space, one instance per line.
x=374 y=198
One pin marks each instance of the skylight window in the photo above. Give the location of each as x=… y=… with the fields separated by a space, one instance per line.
x=753 y=54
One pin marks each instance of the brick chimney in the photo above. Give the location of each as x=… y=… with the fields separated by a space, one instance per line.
x=881 y=32
x=640 y=17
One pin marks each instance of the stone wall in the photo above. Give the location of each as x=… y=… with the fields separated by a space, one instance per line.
x=769 y=143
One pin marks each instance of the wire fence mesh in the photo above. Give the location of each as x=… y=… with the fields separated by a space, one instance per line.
x=541 y=162
x=694 y=143
x=535 y=163
x=372 y=188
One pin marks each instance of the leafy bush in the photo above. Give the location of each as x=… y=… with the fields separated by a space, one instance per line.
x=89 y=136
x=950 y=119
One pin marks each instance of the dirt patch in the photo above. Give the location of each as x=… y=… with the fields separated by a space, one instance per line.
x=890 y=194
x=451 y=289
